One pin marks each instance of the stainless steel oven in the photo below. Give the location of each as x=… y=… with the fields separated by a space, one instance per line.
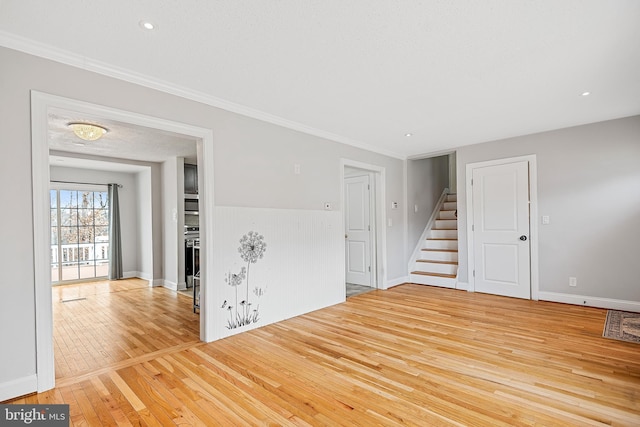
x=191 y=205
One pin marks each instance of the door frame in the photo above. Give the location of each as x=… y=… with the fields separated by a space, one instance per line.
x=533 y=215
x=377 y=201
x=41 y=103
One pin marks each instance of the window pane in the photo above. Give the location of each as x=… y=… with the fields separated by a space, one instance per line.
x=53 y=196
x=70 y=271
x=85 y=216
x=85 y=199
x=87 y=270
x=53 y=214
x=68 y=199
x=100 y=200
x=68 y=235
x=85 y=234
x=102 y=251
x=101 y=216
x=102 y=268
x=54 y=237
x=102 y=234
x=68 y=216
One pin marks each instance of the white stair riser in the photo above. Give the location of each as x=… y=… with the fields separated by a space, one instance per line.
x=440 y=244
x=439 y=256
x=430 y=267
x=444 y=282
x=450 y=224
x=449 y=206
x=447 y=215
x=451 y=198
x=443 y=234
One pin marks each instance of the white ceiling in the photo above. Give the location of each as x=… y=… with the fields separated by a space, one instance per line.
x=366 y=72
x=122 y=141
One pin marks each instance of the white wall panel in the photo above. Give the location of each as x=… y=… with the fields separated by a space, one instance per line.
x=302 y=268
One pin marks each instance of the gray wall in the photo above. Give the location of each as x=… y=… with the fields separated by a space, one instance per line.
x=426 y=178
x=253 y=167
x=589 y=185
x=127 y=195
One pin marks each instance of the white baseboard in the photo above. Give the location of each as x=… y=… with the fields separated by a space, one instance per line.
x=156 y=282
x=143 y=275
x=130 y=274
x=182 y=286
x=170 y=285
x=395 y=282
x=463 y=286
x=18 y=387
x=613 y=304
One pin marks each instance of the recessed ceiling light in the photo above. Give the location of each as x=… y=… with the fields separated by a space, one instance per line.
x=585 y=94
x=147 y=25
x=408 y=134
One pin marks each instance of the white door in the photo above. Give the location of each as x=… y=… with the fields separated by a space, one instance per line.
x=501 y=229
x=358 y=230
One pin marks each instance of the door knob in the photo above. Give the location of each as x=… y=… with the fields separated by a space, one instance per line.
x=523 y=237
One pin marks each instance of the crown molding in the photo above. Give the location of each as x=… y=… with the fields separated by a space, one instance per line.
x=43 y=50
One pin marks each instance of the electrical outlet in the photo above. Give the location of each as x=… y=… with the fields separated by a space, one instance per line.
x=296 y=169
x=573 y=281
x=545 y=219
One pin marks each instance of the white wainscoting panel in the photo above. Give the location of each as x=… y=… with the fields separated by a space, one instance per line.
x=302 y=268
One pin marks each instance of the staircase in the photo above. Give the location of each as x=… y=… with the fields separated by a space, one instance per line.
x=437 y=262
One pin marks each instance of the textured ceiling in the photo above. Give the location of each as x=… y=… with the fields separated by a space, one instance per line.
x=450 y=72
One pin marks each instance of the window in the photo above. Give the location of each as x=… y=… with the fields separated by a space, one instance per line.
x=79 y=234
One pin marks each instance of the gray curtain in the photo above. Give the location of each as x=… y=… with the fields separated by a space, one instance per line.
x=115 y=245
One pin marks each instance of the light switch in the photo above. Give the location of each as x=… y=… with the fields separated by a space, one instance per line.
x=296 y=169
x=390 y=222
x=394 y=205
x=545 y=219
x=415 y=208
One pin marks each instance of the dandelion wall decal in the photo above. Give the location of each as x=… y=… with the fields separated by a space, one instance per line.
x=252 y=248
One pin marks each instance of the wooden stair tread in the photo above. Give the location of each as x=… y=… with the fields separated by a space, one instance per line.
x=433 y=261
x=422 y=273
x=440 y=250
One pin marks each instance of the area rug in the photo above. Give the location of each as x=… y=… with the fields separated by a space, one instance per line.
x=622 y=325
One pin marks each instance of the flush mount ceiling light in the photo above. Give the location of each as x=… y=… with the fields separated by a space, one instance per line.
x=146 y=25
x=87 y=131
x=585 y=94
x=408 y=134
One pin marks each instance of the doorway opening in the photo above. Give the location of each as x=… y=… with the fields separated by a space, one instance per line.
x=362 y=188
x=42 y=105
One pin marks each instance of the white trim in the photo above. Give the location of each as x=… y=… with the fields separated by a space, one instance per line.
x=44 y=50
x=427 y=229
x=155 y=283
x=40 y=105
x=397 y=281
x=463 y=286
x=170 y=285
x=533 y=214
x=610 y=303
x=18 y=387
x=380 y=215
x=130 y=274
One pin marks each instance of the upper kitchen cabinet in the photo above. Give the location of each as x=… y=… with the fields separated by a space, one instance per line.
x=190 y=179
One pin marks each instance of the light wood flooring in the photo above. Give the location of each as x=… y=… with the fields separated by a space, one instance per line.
x=413 y=355
x=99 y=324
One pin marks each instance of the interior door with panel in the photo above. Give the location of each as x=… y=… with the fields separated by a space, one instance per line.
x=358 y=230
x=501 y=229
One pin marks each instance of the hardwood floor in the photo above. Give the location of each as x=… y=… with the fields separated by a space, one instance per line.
x=99 y=324
x=413 y=355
